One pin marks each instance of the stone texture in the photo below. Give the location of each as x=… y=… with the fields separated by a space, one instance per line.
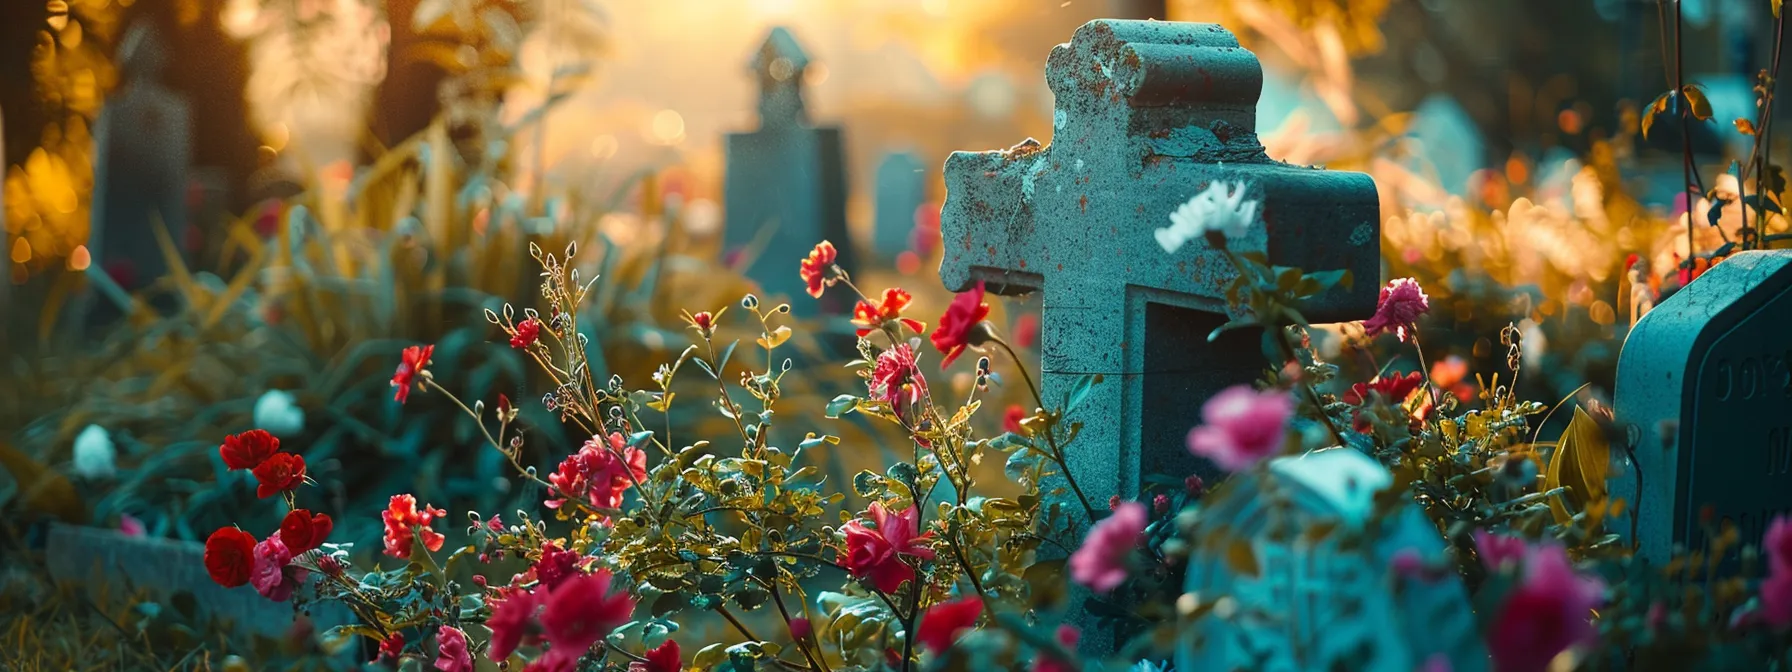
x=1705 y=395
x=1320 y=606
x=785 y=188
x=1147 y=115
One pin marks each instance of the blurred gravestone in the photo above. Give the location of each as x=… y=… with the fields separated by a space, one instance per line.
x=1332 y=603
x=1705 y=395
x=111 y=561
x=785 y=188
x=901 y=189
x=142 y=143
x=1447 y=143
x=1149 y=113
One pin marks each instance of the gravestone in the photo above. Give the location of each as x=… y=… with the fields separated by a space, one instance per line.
x=1148 y=114
x=1704 y=394
x=901 y=189
x=162 y=567
x=142 y=145
x=785 y=188
x=1337 y=603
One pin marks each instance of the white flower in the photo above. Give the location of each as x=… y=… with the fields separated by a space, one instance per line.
x=276 y=413
x=1222 y=208
x=1148 y=666
x=94 y=453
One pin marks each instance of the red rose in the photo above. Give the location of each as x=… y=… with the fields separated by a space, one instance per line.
x=248 y=449
x=873 y=555
x=230 y=556
x=662 y=658
x=303 y=530
x=526 y=333
x=818 y=269
x=963 y=316
x=945 y=621
x=279 y=473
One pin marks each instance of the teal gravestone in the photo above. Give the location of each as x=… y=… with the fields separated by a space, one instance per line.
x=1148 y=114
x=94 y=557
x=901 y=189
x=785 y=188
x=1704 y=397
x=142 y=145
x=1337 y=603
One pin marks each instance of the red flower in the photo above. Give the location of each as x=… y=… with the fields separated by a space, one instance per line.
x=513 y=623
x=1395 y=388
x=954 y=332
x=874 y=555
x=391 y=647
x=279 y=473
x=451 y=651
x=526 y=333
x=1547 y=612
x=303 y=530
x=897 y=379
x=248 y=449
x=556 y=566
x=704 y=320
x=602 y=470
x=410 y=364
x=402 y=517
x=871 y=316
x=582 y=611
x=818 y=269
x=1026 y=331
x=230 y=556
x=943 y=623
x=662 y=658
x=1012 y=417
x=1402 y=302
x=1067 y=636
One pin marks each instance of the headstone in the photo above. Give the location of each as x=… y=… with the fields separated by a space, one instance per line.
x=1704 y=394
x=785 y=188
x=1335 y=603
x=901 y=189
x=163 y=567
x=1148 y=114
x=1447 y=143
x=142 y=144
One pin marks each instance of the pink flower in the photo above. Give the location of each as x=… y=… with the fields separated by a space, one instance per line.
x=1101 y=562
x=1498 y=550
x=897 y=380
x=556 y=566
x=273 y=577
x=1243 y=427
x=513 y=623
x=1406 y=563
x=1776 y=590
x=451 y=651
x=1437 y=663
x=1545 y=614
x=801 y=628
x=1401 y=304
x=582 y=611
x=1778 y=544
x=130 y=526
x=945 y=621
x=874 y=555
x=1067 y=636
x=602 y=470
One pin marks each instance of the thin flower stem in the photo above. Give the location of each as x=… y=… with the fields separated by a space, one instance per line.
x=1050 y=436
x=818 y=662
x=432 y=384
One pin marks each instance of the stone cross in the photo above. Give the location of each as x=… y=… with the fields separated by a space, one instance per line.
x=1148 y=114
x=1328 y=604
x=901 y=190
x=1704 y=395
x=142 y=145
x=785 y=188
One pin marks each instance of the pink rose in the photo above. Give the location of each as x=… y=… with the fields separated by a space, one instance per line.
x=1243 y=427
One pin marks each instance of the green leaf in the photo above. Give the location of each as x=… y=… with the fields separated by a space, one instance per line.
x=841 y=405
x=726 y=354
x=705 y=366
x=1238 y=323
x=1079 y=391
x=710 y=657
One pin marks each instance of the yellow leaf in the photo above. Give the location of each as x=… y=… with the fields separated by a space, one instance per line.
x=1700 y=106
x=41 y=489
x=1776 y=8
x=775 y=339
x=1745 y=126
x=1657 y=106
x=1242 y=558
x=1581 y=463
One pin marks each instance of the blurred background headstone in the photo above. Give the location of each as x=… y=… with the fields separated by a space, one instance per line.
x=901 y=188
x=785 y=187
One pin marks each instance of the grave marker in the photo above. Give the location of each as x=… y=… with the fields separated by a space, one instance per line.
x=165 y=566
x=785 y=189
x=901 y=189
x=1148 y=114
x=142 y=144
x=1705 y=395
x=1328 y=605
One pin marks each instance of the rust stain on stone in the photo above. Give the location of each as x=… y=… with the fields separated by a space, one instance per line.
x=1083 y=203
x=992 y=252
x=1023 y=264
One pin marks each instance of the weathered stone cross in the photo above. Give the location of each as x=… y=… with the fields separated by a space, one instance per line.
x=1148 y=115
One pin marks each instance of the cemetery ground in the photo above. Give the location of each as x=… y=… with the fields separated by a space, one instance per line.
x=1152 y=395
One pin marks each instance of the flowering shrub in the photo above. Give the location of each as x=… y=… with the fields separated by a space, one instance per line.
x=642 y=528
